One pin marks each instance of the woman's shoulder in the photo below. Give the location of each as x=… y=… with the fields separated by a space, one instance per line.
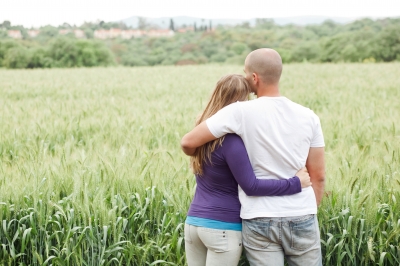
x=232 y=139
x=233 y=146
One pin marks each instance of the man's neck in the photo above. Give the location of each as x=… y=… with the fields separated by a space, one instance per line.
x=269 y=91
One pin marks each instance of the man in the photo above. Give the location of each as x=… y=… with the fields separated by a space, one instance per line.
x=280 y=137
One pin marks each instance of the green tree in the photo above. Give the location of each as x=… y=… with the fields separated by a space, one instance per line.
x=135 y=60
x=64 y=52
x=171 y=25
x=69 y=52
x=265 y=23
x=143 y=24
x=89 y=33
x=103 y=54
x=17 y=57
x=331 y=47
x=6 y=24
x=239 y=48
x=40 y=59
x=349 y=53
x=305 y=51
x=48 y=32
x=86 y=55
x=286 y=54
x=3 y=33
x=219 y=57
x=4 y=47
x=387 y=44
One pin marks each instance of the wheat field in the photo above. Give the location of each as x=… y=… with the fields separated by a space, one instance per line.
x=91 y=171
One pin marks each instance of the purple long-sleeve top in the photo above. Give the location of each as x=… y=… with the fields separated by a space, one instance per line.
x=216 y=195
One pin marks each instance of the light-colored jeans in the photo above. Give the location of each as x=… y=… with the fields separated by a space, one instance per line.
x=206 y=246
x=268 y=240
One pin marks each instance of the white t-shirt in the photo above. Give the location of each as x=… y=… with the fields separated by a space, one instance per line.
x=278 y=134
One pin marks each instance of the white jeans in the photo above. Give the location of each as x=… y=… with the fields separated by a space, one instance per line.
x=212 y=247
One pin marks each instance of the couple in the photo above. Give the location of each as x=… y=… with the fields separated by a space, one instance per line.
x=278 y=208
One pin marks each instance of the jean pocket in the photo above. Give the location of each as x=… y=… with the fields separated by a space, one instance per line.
x=256 y=234
x=304 y=233
x=214 y=239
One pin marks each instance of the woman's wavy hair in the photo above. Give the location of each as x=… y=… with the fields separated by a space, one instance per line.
x=229 y=89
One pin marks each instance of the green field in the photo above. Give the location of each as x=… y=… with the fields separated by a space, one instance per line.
x=91 y=171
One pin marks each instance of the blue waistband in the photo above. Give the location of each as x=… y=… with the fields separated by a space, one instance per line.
x=214 y=224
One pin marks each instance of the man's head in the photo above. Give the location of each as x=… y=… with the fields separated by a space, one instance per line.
x=263 y=68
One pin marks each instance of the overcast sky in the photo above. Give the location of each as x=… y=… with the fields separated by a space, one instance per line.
x=55 y=12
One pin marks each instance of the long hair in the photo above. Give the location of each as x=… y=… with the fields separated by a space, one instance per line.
x=229 y=89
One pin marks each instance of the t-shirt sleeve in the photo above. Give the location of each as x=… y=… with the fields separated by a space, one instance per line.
x=235 y=155
x=227 y=120
x=318 y=137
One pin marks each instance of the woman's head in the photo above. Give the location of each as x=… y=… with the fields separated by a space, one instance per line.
x=229 y=89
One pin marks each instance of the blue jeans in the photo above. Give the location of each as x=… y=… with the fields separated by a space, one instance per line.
x=268 y=240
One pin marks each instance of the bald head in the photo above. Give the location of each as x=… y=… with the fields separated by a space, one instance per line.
x=266 y=63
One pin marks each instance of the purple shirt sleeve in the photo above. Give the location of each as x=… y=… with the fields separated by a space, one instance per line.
x=235 y=155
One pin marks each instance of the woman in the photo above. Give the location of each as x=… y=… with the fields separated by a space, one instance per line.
x=213 y=225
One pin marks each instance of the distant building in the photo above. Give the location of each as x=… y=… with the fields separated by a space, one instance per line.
x=160 y=33
x=129 y=34
x=183 y=30
x=15 y=34
x=101 y=34
x=77 y=33
x=107 y=34
x=33 y=33
x=64 y=31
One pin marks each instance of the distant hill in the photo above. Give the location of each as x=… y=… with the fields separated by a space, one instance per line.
x=180 y=21
x=307 y=20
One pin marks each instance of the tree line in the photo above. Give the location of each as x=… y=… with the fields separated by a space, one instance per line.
x=363 y=40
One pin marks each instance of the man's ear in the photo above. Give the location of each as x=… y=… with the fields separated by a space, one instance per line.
x=254 y=78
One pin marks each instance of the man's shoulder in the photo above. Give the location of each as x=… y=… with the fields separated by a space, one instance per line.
x=253 y=106
x=278 y=102
x=301 y=108
x=233 y=106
